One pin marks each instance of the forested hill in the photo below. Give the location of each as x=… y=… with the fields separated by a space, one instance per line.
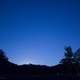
x=12 y=71
x=67 y=69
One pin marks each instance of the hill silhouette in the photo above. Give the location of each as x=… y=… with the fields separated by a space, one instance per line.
x=65 y=70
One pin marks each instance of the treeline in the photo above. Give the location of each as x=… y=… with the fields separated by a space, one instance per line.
x=68 y=68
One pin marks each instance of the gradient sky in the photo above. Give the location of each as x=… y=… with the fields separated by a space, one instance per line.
x=36 y=31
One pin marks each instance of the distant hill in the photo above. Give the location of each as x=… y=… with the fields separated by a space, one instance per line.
x=68 y=69
x=11 y=71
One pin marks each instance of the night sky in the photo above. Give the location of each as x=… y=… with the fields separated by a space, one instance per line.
x=36 y=31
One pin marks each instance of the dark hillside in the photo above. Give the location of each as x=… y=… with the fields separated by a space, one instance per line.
x=68 y=69
x=37 y=72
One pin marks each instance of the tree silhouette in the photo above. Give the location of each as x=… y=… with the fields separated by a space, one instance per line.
x=68 y=56
x=3 y=56
x=68 y=52
x=77 y=55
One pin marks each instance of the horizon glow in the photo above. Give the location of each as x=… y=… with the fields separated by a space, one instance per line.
x=36 y=31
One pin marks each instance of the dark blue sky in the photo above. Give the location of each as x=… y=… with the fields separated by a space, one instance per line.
x=36 y=31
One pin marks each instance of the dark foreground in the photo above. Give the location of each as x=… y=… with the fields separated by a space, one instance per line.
x=9 y=77
x=10 y=71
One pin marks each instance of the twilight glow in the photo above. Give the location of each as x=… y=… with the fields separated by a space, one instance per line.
x=36 y=31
